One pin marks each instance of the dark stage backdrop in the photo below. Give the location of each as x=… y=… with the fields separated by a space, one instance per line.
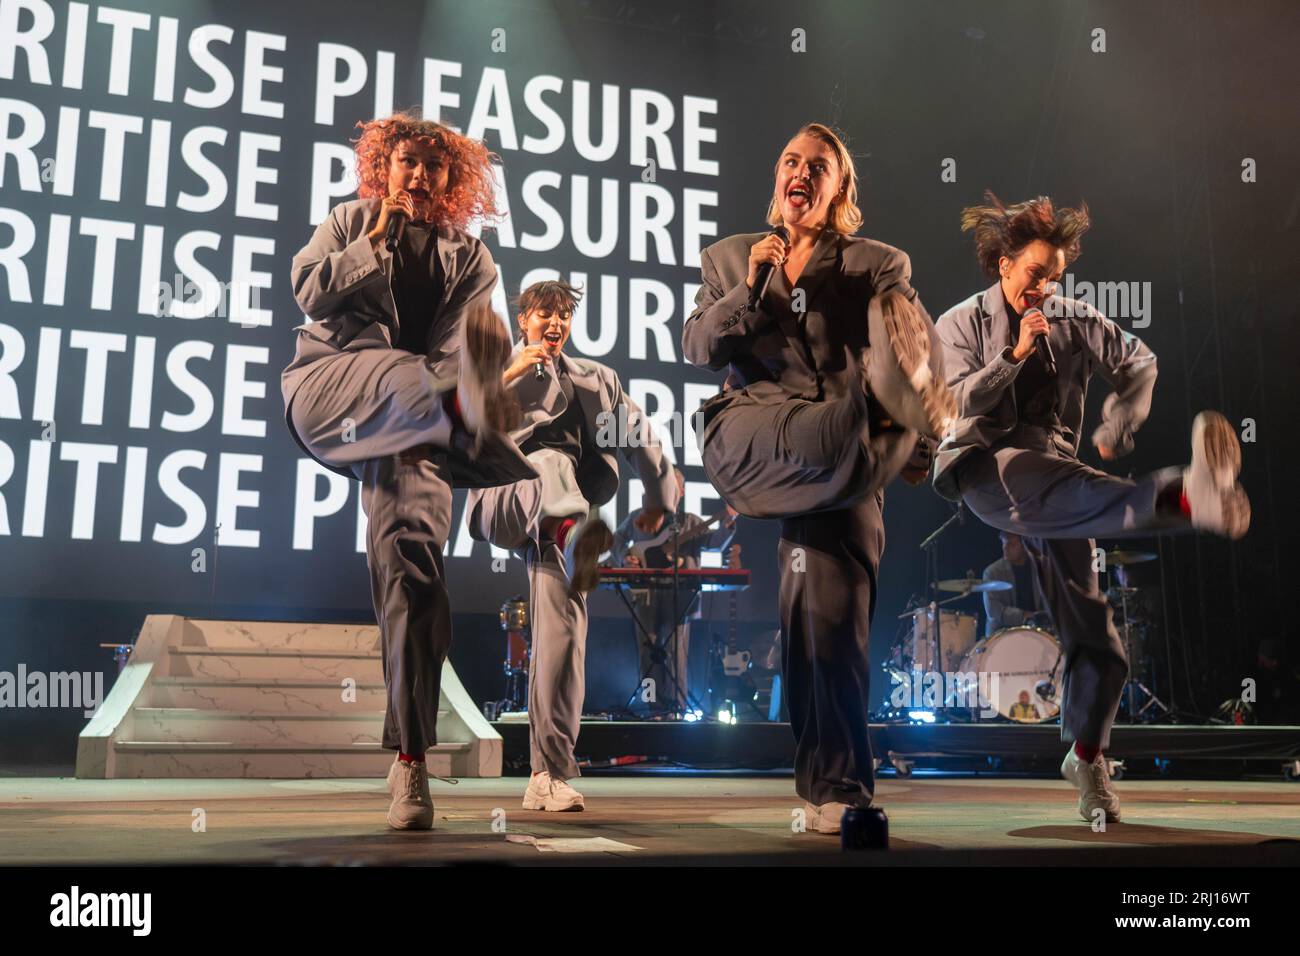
x=193 y=146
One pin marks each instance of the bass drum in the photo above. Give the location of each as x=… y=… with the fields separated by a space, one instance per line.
x=1018 y=660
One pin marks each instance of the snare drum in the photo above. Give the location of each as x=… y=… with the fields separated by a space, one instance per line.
x=514 y=621
x=957 y=633
x=1019 y=659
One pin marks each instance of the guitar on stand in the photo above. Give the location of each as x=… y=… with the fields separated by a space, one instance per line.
x=730 y=680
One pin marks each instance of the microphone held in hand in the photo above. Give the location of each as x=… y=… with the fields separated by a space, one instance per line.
x=764 y=275
x=396 y=225
x=539 y=368
x=1043 y=347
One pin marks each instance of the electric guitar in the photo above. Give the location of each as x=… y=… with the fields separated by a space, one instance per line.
x=657 y=552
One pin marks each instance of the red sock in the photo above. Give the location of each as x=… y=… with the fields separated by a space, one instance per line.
x=1173 y=500
x=1085 y=752
x=410 y=758
x=562 y=532
x=1184 y=505
x=451 y=405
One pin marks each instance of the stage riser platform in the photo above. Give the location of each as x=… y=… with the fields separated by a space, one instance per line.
x=771 y=745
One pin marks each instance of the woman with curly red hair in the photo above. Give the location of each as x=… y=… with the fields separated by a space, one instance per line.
x=397 y=381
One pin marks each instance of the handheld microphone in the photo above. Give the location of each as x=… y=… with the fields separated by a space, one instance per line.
x=1042 y=346
x=396 y=225
x=539 y=368
x=763 y=278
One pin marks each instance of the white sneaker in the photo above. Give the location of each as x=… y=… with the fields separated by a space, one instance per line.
x=486 y=405
x=586 y=542
x=1217 y=501
x=899 y=369
x=825 y=818
x=1093 y=781
x=546 y=793
x=412 y=806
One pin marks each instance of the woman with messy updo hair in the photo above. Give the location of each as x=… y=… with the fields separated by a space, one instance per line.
x=1021 y=383
x=397 y=382
x=1002 y=231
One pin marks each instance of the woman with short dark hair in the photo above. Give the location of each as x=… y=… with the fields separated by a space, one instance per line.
x=1013 y=455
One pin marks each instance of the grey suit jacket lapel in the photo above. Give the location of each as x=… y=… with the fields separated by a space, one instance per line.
x=819 y=267
x=587 y=392
x=543 y=400
x=449 y=245
x=993 y=317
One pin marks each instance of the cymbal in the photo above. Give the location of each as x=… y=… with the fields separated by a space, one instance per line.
x=1122 y=558
x=973 y=585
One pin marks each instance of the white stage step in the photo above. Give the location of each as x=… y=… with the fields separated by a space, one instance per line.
x=152 y=759
x=204 y=698
x=260 y=663
x=282 y=696
x=200 y=725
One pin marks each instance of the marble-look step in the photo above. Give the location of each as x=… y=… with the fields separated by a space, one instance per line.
x=274 y=699
x=196 y=725
x=357 y=637
x=147 y=759
x=254 y=664
x=272 y=696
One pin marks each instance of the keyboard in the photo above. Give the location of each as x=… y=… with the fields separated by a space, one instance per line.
x=694 y=579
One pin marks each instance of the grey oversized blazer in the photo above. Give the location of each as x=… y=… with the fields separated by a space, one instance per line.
x=345 y=285
x=773 y=354
x=776 y=354
x=977 y=355
x=608 y=413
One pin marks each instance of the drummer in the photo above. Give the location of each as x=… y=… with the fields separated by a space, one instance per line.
x=1023 y=604
x=1024 y=709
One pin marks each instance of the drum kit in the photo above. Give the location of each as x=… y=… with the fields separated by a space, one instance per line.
x=519 y=640
x=947 y=641
x=1027 y=659
x=1138 y=700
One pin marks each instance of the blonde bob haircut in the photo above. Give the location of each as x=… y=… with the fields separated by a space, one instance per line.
x=843 y=216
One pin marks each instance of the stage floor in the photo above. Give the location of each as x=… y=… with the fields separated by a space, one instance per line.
x=693 y=820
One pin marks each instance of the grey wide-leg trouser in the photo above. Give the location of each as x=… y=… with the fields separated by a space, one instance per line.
x=377 y=411
x=818 y=468
x=1028 y=486
x=829 y=563
x=798 y=456
x=510 y=517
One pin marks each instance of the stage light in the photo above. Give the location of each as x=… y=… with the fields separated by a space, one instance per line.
x=691 y=716
x=921 y=716
x=725 y=716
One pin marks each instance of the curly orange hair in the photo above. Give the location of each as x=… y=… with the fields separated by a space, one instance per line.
x=470 y=186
